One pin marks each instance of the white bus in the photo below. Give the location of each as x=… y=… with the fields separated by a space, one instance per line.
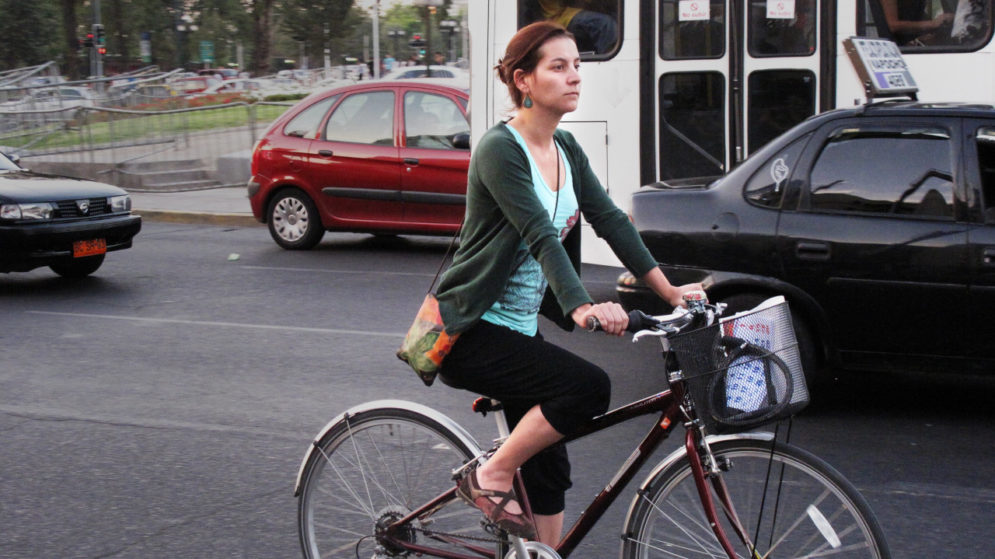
x=676 y=89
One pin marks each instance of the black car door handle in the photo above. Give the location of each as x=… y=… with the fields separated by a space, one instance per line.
x=410 y=161
x=988 y=257
x=325 y=152
x=811 y=250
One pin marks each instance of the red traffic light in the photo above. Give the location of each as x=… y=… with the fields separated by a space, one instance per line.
x=102 y=50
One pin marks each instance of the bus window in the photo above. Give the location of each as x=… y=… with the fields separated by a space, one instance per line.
x=692 y=34
x=927 y=25
x=594 y=23
x=777 y=100
x=692 y=131
x=782 y=28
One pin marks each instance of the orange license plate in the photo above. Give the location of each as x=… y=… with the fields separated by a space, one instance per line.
x=89 y=248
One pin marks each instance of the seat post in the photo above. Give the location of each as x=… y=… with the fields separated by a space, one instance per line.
x=502 y=423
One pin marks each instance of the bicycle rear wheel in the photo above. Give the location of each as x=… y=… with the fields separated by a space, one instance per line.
x=791 y=504
x=374 y=468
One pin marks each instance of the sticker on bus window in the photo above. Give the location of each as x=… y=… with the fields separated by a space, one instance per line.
x=780 y=9
x=693 y=10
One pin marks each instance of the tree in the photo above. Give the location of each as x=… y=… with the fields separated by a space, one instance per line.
x=72 y=65
x=316 y=23
x=261 y=14
x=20 y=26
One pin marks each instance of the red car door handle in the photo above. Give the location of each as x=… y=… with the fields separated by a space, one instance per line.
x=410 y=161
x=325 y=152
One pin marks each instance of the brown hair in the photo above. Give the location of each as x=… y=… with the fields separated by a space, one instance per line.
x=523 y=53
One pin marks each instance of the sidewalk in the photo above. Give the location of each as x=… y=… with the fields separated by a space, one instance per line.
x=218 y=206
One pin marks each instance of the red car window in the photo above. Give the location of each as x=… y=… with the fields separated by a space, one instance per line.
x=365 y=118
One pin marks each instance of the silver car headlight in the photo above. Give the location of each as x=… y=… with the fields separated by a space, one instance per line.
x=119 y=203
x=36 y=210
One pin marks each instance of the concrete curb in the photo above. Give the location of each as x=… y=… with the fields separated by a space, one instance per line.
x=171 y=216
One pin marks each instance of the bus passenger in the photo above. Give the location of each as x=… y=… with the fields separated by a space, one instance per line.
x=593 y=31
x=911 y=24
x=529 y=183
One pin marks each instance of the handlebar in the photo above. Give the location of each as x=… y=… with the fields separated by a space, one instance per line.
x=698 y=311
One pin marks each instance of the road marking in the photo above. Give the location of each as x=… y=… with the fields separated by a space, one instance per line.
x=934 y=491
x=44 y=413
x=323 y=271
x=223 y=324
x=380 y=272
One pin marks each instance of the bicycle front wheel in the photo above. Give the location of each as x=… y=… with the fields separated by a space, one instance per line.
x=790 y=503
x=372 y=469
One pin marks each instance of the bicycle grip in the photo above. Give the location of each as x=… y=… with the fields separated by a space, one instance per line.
x=638 y=320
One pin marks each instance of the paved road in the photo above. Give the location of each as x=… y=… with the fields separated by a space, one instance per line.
x=161 y=408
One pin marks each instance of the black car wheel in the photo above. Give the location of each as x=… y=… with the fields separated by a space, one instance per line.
x=293 y=221
x=78 y=267
x=811 y=362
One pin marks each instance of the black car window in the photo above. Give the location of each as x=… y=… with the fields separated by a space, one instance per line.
x=363 y=118
x=305 y=124
x=431 y=121
x=885 y=171
x=985 y=140
x=766 y=186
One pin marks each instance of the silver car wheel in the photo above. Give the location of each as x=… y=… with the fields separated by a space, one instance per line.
x=290 y=218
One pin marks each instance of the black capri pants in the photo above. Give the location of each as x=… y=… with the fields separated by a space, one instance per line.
x=523 y=371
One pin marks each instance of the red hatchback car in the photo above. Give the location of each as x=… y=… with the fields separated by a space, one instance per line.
x=377 y=157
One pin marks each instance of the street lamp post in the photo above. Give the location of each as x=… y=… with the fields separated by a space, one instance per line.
x=396 y=34
x=184 y=25
x=450 y=27
x=428 y=7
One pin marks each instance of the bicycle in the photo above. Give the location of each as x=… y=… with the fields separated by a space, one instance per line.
x=372 y=485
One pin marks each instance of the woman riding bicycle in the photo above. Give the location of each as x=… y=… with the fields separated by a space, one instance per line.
x=529 y=183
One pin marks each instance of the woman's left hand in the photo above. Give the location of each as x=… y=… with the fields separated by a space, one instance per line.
x=677 y=297
x=611 y=316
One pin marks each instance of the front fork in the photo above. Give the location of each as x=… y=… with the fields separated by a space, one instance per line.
x=697 y=447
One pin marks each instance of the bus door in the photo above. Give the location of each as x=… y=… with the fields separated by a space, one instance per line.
x=731 y=76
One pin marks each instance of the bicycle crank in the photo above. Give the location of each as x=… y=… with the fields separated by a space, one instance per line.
x=535 y=550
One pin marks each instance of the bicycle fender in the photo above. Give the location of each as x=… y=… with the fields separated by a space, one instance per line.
x=679 y=454
x=457 y=429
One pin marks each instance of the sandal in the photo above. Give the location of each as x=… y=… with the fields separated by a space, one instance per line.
x=519 y=525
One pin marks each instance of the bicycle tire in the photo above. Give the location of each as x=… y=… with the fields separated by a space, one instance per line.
x=371 y=469
x=791 y=503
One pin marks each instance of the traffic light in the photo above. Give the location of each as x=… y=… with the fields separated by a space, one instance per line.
x=88 y=41
x=99 y=40
x=416 y=41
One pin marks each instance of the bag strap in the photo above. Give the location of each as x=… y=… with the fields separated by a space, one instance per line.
x=445 y=256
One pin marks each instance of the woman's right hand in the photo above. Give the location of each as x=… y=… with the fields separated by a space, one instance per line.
x=611 y=316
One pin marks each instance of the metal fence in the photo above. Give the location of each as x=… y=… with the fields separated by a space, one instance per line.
x=169 y=149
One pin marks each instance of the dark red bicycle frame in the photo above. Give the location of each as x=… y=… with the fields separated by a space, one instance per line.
x=668 y=405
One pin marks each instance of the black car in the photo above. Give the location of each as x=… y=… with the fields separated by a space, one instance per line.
x=877 y=223
x=64 y=223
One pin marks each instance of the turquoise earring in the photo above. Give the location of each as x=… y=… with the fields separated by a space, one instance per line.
x=527 y=103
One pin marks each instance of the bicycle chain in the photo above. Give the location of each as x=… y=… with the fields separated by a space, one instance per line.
x=487 y=528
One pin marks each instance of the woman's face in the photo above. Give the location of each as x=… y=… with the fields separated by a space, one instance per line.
x=555 y=83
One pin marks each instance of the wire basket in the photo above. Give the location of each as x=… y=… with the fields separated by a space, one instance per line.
x=744 y=371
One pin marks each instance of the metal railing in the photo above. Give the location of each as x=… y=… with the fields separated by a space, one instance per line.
x=172 y=148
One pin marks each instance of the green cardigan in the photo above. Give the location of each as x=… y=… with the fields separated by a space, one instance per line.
x=502 y=210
